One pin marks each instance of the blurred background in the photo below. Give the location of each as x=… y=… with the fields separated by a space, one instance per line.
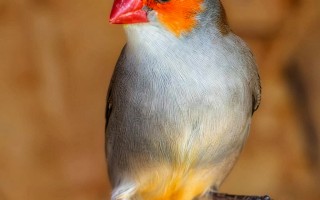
x=56 y=60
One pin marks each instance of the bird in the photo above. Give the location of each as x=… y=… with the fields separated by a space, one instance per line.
x=180 y=101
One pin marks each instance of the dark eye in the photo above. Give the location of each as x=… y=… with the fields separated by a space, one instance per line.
x=163 y=1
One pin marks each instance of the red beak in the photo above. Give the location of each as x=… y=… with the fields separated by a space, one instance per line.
x=128 y=12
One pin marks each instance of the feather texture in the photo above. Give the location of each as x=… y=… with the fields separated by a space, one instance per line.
x=181 y=110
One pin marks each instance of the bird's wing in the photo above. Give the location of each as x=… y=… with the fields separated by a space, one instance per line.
x=109 y=102
x=109 y=94
x=256 y=96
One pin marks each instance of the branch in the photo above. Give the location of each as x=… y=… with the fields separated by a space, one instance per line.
x=219 y=196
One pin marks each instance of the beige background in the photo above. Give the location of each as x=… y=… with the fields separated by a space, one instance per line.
x=56 y=60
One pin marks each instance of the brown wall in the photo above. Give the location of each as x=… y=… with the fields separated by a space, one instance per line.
x=56 y=60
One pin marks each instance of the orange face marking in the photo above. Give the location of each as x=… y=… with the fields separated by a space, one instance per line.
x=178 y=16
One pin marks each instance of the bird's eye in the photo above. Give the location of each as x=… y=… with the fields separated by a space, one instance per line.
x=162 y=1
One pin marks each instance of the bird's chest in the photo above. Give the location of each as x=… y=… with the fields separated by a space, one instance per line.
x=170 y=77
x=183 y=87
x=182 y=104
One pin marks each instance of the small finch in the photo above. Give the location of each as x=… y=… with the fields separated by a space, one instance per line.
x=180 y=101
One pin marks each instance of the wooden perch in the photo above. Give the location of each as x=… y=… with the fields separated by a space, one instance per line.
x=220 y=196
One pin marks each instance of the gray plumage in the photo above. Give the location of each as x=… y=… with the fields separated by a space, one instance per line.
x=178 y=102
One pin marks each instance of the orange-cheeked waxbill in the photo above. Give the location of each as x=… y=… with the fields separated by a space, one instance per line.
x=180 y=101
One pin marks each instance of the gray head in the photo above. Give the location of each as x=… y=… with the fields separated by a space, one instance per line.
x=180 y=17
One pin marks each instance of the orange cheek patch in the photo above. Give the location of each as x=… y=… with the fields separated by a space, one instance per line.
x=178 y=16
